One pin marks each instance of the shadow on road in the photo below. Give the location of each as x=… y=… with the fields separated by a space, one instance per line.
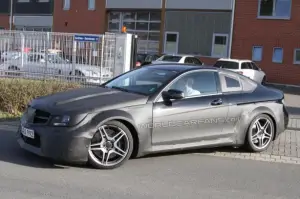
x=294 y=111
x=200 y=151
x=11 y=152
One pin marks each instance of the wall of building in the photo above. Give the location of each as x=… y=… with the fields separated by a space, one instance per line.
x=250 y=31
x=4 y=21
x=196 y=29
x=79 y=19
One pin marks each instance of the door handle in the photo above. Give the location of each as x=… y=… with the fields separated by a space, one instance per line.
x=216 y=102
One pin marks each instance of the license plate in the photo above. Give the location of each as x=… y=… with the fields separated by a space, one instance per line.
x=27 y=132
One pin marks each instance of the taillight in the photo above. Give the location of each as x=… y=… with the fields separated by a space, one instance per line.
x=138 y=63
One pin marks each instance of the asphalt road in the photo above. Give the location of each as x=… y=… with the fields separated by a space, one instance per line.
x=190 y=175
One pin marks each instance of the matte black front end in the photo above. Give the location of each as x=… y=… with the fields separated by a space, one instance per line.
x=63 y=144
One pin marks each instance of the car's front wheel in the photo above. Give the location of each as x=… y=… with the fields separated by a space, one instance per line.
x=111 y=146
x=260 y=133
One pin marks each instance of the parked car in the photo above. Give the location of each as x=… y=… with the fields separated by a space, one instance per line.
x=184 y=59
x=153 y=109
x=146 y=59
x=33 y=65
x=245 y=67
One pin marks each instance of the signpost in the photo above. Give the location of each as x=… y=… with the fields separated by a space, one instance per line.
x=86 y=38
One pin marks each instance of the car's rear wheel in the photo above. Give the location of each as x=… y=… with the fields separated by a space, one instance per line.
x=260 y=133
x=111 y=146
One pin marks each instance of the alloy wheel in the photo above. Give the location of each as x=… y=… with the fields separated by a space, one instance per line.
x=262 y=133
x=109 y=146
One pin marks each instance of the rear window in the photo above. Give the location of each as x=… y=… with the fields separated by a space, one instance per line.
x=170 y=58
x=226 y=65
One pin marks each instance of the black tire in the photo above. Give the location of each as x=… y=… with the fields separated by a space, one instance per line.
x=249 y=143
x=95 y=163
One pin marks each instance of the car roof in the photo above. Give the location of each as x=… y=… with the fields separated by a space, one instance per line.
x=234 y=60
x=181 y=67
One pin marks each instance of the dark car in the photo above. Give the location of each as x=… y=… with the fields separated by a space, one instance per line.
x=152 y=109
x=146 y=59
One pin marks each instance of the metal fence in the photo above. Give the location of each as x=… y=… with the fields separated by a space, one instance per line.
x=88 y=59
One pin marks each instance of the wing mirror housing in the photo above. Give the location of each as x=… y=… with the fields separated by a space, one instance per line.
x=172 y=94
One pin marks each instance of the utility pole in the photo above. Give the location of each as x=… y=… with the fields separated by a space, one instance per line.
x=11 y=14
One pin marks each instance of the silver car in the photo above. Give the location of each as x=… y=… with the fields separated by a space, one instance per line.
x=33 y=65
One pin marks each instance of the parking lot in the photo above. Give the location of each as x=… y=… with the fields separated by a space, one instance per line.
x=207 y=173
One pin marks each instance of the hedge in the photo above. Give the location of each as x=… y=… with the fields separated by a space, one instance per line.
x=15 y=94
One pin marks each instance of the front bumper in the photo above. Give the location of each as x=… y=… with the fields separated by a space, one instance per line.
x=57 y=143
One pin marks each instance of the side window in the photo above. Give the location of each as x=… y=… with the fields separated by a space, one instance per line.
x=254 y=66
x=196 y=61
x=244 y=66
x=188 y=60
x=196 y=83
x=230 y=83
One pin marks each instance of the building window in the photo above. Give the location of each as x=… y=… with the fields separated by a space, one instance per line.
x=297 y=56
x=44 y=1
x=67 y=4
x=145 y=24
x=92 y=4
x=257 y=53
x=275 y=9
x=220 y=45
x=277 y=55
x=23 y=1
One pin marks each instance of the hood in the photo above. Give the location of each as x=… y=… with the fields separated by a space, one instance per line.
x=85 y=100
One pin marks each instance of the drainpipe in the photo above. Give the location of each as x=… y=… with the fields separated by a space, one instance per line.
x=231 y=28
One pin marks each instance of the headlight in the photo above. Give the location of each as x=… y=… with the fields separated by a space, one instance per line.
x=60 y=120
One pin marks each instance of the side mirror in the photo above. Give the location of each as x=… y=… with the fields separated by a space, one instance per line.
x=172 y=94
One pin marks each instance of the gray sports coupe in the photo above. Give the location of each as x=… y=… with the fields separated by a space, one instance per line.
x=158 y=108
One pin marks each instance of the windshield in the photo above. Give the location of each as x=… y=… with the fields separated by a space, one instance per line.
x=143 y=81
x=227 y=65
x=169 y=58
x=55 y=58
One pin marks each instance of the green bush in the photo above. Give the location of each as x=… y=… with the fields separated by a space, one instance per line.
x=15 y=94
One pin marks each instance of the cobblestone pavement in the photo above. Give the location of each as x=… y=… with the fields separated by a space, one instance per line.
x=285 y=149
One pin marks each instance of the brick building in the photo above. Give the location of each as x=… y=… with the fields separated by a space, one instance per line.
x=268 y=32
x=263 y=30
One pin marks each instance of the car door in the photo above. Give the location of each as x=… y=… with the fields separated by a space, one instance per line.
x=247 y=70
x=258 y=73
x=232 y=90
x=34 y=64
x=192 y=118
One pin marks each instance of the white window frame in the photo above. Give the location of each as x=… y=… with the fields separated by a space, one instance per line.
x=295 y=51
x=261 y=53
x=213 y=45
x=274 y=12
x=277 y=62
x=91 y=4
x=165 y=41
x=66 y=4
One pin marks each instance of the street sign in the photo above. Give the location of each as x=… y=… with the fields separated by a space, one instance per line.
x=86 y=38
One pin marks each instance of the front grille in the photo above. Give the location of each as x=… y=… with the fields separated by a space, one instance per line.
x=34 y=142
x=41 y=117
x=36 y=116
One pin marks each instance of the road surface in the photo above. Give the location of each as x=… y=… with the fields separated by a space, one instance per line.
x=190 y=175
